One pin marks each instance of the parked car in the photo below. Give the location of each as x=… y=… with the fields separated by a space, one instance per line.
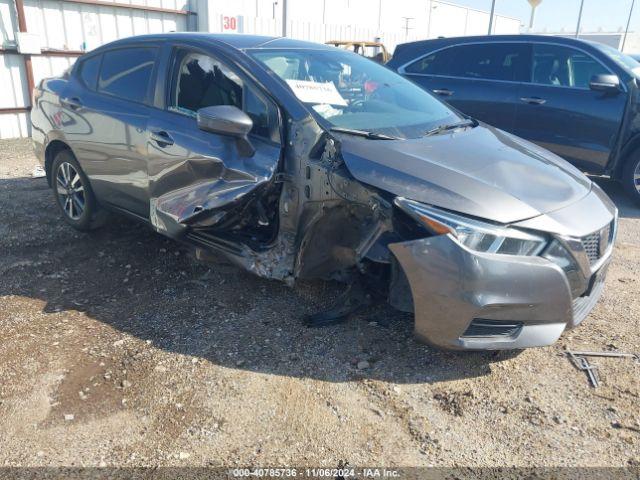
x=575 y=98
x=298 y=160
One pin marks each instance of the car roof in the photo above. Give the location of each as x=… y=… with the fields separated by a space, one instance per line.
x=406 y=51
x=234 y=40
x=503 y=38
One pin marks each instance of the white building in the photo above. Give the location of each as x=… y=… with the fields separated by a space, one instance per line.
x=614 y=39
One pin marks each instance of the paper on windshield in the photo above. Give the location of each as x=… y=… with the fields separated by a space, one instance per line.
x=316 y=92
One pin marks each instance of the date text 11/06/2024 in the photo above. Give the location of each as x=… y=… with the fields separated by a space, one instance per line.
x=346 y=472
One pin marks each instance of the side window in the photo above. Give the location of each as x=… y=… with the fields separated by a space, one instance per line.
x=126 y=72
x=437 y=63
x=564 y=66
x=89 y=69
x=202 y=81
x=494 y=61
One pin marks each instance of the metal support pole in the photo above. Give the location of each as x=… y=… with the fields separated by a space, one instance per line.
x=493 y=9
x=284 y=18
x=579 y=18
x=22 y=26
x=532 y=19
x=626 y=30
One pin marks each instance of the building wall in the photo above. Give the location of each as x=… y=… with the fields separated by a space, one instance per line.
x=64 y=25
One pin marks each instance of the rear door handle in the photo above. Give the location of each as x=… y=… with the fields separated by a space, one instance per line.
x=443 y=92
x=73 y=103
x=162 y=138
x=534 y=100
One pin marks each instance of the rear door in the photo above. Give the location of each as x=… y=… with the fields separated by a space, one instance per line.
x=559 y=111
x=109 y=133
x=480 y=79
x=195 y=176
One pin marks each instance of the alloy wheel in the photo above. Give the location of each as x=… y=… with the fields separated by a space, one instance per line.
x=636 y=177
x=70 y=190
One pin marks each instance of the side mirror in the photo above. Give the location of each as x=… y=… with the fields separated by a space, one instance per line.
x=605 y=83
x=230 y=121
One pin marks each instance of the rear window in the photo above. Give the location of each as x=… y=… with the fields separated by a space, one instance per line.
x=89 y=69
x=126 y=73
x=497 y=61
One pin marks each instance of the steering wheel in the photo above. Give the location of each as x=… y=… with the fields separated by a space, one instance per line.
x=357 y=105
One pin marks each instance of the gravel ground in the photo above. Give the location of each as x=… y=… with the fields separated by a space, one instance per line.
x=119 y=349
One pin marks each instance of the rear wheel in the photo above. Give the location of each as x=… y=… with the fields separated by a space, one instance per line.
x=73 y=193
x=631 y=177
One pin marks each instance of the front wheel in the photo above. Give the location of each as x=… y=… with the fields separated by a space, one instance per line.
x=631 y=177
x=73 y=193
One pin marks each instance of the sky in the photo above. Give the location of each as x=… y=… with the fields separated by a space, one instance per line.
x=554 y=15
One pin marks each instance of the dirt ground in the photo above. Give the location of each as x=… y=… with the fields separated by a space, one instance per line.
x=117 y=348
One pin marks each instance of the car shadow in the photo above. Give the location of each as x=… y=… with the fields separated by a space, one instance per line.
x=627 y=208
x=145 y=285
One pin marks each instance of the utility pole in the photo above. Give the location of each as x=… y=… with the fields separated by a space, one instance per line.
x=579 y=18
x=493 y=9
x=406 y=26
x=626 y=30
x=284 y=17
x=534 y=4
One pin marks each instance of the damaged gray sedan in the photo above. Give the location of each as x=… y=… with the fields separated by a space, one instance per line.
x=298 y=160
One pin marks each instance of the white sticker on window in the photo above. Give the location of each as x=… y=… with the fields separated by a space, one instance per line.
x=315 y=92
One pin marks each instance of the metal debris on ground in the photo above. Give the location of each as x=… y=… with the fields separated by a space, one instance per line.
x=38 y=172
x=580 y=361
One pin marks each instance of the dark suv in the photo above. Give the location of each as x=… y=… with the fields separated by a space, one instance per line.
x=578 y=99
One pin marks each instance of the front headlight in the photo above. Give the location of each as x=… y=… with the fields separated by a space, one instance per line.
x=474 y=234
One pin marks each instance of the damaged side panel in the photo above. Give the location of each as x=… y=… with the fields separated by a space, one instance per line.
x=194 y=181
x=336 y=219
x=203 y=190
x=302 y=217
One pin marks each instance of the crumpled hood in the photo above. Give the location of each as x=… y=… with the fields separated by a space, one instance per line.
x=483 y=172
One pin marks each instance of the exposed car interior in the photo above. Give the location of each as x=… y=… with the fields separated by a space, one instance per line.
x=203 y=82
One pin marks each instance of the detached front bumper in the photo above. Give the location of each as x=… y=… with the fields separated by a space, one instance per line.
x=479 y=301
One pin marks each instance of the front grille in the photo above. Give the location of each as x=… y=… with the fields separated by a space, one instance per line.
x=596 y=244
x=480 y=327
x=591 y=244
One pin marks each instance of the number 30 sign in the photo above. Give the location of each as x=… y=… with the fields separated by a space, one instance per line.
x=232 y=24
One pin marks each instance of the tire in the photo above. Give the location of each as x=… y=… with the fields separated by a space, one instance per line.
x=631 y=177
x=73 y=194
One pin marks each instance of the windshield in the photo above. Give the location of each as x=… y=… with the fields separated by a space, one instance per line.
x=623 y=60
x=348 y=91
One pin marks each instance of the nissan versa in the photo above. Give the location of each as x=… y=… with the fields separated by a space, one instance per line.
x=298 y=160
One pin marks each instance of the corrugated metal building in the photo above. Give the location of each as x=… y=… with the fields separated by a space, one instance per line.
x=64 y=30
